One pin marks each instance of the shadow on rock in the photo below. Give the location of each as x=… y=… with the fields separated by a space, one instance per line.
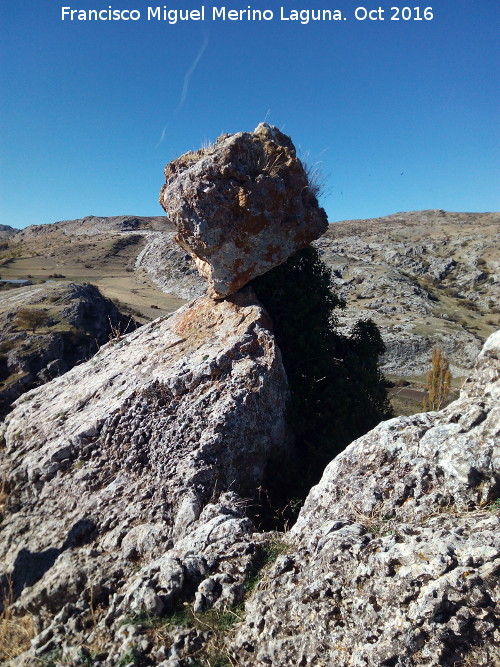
x=30 y=567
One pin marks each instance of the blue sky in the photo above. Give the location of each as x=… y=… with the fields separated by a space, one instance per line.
x=399 y=115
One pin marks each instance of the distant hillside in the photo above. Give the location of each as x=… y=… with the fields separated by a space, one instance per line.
x=99 y=250
x=7 y=232
x=425 y=277
x=95 y=225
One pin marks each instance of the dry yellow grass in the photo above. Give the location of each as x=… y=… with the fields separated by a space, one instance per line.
x=90 y=259
x=16 y=632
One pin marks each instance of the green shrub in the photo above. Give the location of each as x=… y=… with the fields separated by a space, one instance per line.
x=31 y=318
x=336 y=389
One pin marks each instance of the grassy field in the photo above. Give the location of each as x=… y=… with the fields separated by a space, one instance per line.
x=104 y=261
x=409 y=399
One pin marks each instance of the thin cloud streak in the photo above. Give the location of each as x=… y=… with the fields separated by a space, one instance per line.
x=163 y=133
x=189 y=74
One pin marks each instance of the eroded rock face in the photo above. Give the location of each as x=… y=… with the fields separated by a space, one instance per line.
x=78 y=319
x=170 y=267
x=241 y=206
x=394 y=559
x=111 y=465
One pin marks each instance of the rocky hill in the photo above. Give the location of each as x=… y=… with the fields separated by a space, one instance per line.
x=7 y=232
x=93 y=225
x=129 y=484
x=426 y=278
x=101 y=251
x=46 y=329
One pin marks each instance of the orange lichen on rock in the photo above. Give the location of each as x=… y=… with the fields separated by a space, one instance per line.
x=241 y=206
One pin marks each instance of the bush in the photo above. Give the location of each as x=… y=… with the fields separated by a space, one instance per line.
x=337 y=391
x=31 y=318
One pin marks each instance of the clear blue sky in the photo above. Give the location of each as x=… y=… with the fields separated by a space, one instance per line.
x=402 y=115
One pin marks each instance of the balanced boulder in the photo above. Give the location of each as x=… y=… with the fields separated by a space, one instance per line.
x=241 y=206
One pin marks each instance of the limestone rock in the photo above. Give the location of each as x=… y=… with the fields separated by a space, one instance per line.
x=394 y=559
x=241 y=206
x=78 y=319
x=170 y=267
x=112 y=464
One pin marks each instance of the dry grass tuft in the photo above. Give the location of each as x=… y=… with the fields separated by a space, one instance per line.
x=3 y=495
x=315 y=179
x=16 y=632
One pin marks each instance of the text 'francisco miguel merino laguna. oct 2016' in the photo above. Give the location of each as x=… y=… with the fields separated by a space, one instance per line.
x=172 y=15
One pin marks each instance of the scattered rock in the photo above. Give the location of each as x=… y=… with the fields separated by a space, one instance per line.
x=93 y=225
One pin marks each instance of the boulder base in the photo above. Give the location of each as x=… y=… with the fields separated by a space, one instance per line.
x=111 y=464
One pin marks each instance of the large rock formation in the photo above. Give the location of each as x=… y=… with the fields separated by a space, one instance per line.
x=395 y=557
x=112 y=464
x=241 y=206
x=393 y=562
x=125 y=539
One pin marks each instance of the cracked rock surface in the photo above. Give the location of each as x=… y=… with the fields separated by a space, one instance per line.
x=241 y=206
x=110 y=466
x=395 y=557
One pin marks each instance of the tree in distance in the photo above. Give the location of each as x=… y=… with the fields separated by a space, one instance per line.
x=438 y=381
x=31 y=319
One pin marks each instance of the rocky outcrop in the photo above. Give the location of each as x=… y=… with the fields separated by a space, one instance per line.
x=126 y=538
x=93 y=225
x=426 y=278
x=74 y=320
x=169 y=267
x=241 y=206
x=111 y=466
x=7 y=232
x=394 y=559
